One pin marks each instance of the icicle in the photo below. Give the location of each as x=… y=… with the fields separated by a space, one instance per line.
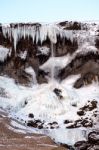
x=24 y=32
x=39 y=33
x=33 y=33
x=52 y=55
x=15 y=37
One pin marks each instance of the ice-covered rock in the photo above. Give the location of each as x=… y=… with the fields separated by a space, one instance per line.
x=4 y=52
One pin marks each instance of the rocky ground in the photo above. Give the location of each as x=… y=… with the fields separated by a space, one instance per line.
x=11 y=138
x=20 y=141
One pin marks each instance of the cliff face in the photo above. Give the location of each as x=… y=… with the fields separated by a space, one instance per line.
x=29 y=52
x=63 y=55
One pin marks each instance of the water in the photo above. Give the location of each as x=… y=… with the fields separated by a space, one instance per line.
x=53 y=65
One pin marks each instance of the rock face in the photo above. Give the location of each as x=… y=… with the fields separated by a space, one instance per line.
x=36 y=54
x=33 y=45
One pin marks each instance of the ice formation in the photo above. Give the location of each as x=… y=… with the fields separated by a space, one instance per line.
x=41 y=100
x=38 y=33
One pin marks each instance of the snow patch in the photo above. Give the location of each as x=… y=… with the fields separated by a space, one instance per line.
x=4 y=52
x=31 y=71
x=44 y=50
x=56 y=62
x=23 y=55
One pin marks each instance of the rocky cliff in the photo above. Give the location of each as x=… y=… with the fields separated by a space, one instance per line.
x=28 y=52
x=64 y=55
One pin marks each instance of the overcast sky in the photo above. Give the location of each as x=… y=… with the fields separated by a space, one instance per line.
x=48 y=10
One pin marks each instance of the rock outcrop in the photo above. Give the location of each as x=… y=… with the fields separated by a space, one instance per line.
x=91 y=144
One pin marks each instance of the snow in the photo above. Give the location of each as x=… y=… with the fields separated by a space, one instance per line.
x=4 y=52
x=21 y=128
x=58 y=62
x=23 y=55
x=86 y=47
x=69 y=135
x=31 y=71
x=46 y=106
x=44 y=50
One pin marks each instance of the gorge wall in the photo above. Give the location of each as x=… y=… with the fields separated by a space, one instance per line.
x=26 y=52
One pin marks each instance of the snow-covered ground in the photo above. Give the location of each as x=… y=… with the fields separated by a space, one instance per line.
x=47 y=106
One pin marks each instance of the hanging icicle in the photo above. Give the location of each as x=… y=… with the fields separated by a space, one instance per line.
x=40 y=33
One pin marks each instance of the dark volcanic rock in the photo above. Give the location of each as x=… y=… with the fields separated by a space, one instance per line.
x=91 y=144
x=76 y=124
x=32 y=124
x=84 y=121
x=81 y=123
x=35 y=123
x=67 y=121
x=97 y=43
x=71 y=25
x=53 y=125
x=40 y=126
x=42 y=76
x=80 y=112
x=79 y=83
x=31 y=115
x=93 y=137
x=94 y=147
x=58 y=93
x=81 y=145
x=90 y=106
x=65 y=46
x=87 y=123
